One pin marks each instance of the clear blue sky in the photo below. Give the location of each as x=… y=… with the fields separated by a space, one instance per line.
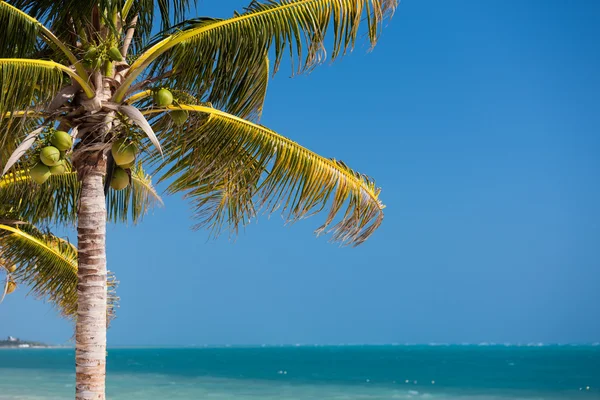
x=481 y=122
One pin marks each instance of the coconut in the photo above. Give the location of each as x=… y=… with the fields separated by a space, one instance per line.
x=91 y=53
x=97 y=63
x=114 y=54
x=120 y=179
x=39 y=173
x=11 y=268
x=61 y=140
x=10 y=287
x=87 y=63
x=179 y=116
x=128 y=165
x=123 y=151
x=163 y=98
x=50 y=156
x=58 y=169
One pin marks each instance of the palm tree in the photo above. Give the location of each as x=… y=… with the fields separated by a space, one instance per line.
x=195 y=92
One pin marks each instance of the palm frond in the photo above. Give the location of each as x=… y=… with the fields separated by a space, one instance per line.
x=208 y=51
x=53 y=202
x=48 y=265
x=57 y=199
x=230 y=161
x=21 y=37
x=27 y=85
x=19 y=32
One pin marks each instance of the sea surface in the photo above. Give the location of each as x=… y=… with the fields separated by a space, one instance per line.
x=311 y=372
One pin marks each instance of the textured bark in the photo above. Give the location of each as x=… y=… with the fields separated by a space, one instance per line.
x=90 y=358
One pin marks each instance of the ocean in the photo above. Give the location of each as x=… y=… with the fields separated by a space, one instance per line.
x=315 y=372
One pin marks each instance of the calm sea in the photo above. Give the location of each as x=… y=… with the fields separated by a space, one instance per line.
x=323 y=373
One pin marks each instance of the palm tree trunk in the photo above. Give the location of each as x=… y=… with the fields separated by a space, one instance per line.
x=90 y=331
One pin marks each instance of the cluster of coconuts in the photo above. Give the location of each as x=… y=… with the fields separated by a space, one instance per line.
x=51 y=158
x=10 y=285
x=95 y=56
x=164 y=98
x=123 y=152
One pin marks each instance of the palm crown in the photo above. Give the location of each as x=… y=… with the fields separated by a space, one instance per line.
x=217 y=70
x=88 y=94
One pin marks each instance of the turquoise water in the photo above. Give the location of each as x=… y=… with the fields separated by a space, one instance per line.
x=324 y=373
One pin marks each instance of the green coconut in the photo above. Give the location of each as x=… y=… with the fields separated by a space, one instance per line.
x=114 y=54
x=120 y=179
x=61 y=140
x=163 y=98
x=91 y=53
x=179 y=116
x=87 y=63
x=58 y=169
x=123 y=152
x=97 y=63
x=50 y=156
x=128 y=165
x=10 y=287
x=40 y=173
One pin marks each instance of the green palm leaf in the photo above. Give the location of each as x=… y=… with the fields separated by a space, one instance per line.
x=48 y=265
x=44 y=80
x=19 y=32
x=21 y=36
x=225 y=163
x=210 y=55
x=56 y=200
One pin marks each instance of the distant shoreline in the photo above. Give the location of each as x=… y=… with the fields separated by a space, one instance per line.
x=267 y=346
x=35 y=347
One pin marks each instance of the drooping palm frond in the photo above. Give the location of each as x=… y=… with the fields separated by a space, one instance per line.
x=25 y=84
x=19 y=32
x=56 y=200
x=53 y=202
x=228 y=158
x=222 y=199
x=209 y=52
x=48 y=265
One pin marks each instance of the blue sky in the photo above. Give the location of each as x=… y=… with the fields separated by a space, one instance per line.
x=479 y=119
